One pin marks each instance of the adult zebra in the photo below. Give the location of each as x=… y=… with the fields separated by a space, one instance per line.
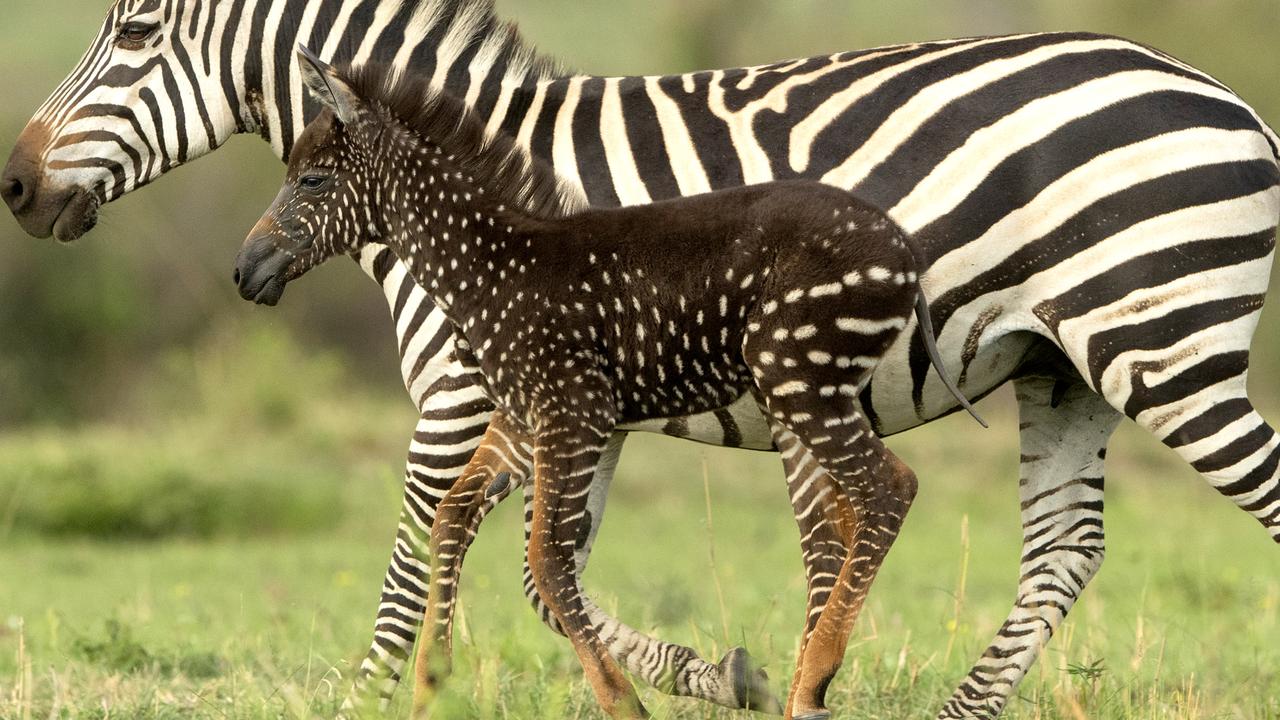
x=1099 y=219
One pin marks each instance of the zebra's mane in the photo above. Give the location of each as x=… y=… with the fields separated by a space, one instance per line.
x=496 y=163
x=475 y=24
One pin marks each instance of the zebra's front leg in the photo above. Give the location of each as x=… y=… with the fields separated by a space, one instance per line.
x=734 y=682
x=428 y=476
x=1065 y=427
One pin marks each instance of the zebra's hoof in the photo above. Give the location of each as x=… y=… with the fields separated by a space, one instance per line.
x=750 y=683
x=815 y=715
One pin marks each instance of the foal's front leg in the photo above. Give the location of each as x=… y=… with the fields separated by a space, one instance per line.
x=735 y=681
x=567 y=451
x=503 y=456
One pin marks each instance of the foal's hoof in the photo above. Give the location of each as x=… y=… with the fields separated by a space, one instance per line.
x=498 y=486
x=750 y=683
x=815 y=715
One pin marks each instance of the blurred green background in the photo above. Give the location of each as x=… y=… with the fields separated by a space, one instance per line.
x=197 y=496
x=85 y=326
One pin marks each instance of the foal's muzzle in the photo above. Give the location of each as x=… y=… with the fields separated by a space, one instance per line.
x=261 y=270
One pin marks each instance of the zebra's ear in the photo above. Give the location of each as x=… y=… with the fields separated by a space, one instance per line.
x=328 y=89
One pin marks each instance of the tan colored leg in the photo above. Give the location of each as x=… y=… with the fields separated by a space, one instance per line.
x=826 y=523
x=841 y=520
x=565 y=459
x=502 y=452
x=875 y=510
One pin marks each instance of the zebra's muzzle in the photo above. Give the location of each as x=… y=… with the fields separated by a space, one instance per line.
x=42 y=208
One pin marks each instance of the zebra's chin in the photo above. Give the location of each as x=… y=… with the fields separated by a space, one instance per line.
x=78 y=216
x=66 y=215
x=270 y=293
x=259 y=290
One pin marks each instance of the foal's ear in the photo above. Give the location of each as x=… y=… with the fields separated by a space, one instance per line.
x=327 y=88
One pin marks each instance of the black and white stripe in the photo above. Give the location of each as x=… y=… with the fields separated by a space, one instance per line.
x=1097 y=216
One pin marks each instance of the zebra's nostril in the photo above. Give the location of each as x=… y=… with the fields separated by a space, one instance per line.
x=13 y=192
x=235 y=276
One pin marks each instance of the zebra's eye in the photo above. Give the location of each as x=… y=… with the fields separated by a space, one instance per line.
x=312 y=183
x=133 y=34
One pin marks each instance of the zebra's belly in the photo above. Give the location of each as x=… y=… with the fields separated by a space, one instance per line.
x=741 y=424
x=999 y=351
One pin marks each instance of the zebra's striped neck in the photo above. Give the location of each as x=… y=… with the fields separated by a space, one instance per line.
x=461 y=45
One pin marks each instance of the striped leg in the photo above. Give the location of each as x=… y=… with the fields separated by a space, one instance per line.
x=566 y=454
x=814 y=405
x=479 y=489
x=734 y=682
x=1200 y=408
x=1064 y=433
x=675 y=669
x=428 y=476
x=1173 y=355
x=814 y=498
x=821 y=516
x=876 y=490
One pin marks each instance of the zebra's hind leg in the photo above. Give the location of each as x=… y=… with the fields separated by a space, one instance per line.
x=734 y=682
x=1065 y=427
x=1198 y=405
x=877 y=490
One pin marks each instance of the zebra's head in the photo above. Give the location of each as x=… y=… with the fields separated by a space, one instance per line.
x=144 y=98
x=327 y=204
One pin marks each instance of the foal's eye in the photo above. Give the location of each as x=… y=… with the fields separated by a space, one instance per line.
x=133 y=34
x=312 y=182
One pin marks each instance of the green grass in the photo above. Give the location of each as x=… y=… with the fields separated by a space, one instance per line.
x=267 y=618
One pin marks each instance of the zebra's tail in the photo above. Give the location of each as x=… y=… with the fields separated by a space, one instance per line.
x=925 y=328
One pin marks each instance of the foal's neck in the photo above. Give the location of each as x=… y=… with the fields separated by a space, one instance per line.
x=465 y=244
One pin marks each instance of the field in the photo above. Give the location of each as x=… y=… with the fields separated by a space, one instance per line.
x=198 y=497
x=245 y=584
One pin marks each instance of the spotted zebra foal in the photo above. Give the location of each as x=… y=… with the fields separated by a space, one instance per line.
x=582 y=320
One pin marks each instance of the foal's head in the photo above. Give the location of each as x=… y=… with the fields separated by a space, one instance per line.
x=372 y=165
x=330 y=198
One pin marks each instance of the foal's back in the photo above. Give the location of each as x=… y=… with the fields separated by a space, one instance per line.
x=680 y=235
x=661 y=298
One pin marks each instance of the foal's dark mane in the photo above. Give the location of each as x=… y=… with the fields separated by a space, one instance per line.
x=496 y=164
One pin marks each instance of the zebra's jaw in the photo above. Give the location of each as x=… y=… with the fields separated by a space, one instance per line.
x=78 y=216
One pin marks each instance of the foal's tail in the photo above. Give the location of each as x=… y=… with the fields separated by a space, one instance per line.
x=931 y=348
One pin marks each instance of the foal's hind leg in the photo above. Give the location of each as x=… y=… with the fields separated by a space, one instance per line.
x=1064 y=431
x=876 y=491
x=827 y=522
x=815 y=499
x=813 y=402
